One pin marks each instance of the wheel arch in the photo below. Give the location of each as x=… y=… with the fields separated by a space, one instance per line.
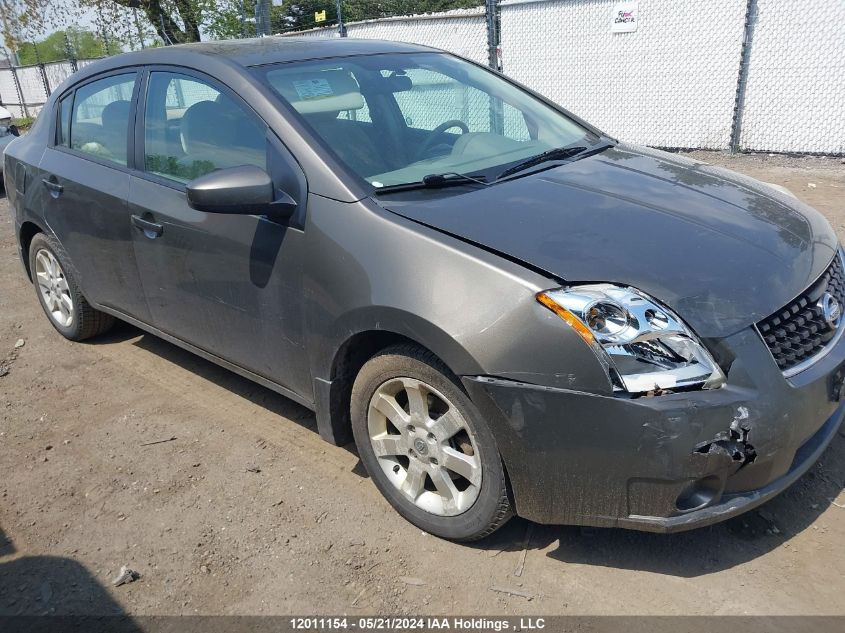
x=334 y=378
x=27 y=232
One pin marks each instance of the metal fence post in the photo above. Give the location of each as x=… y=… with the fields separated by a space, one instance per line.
x=71 y=55
x=262 y=18
x=341 y=27
x=490 y=8
x=497 y=116
x=742 y=78
x=41 y=70
x=19 y=91
x=44 y=79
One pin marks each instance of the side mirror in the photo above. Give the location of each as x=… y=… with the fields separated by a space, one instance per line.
x=244 y=190
x=13 y=130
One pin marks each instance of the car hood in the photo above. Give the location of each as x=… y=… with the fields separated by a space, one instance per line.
x=721 y=249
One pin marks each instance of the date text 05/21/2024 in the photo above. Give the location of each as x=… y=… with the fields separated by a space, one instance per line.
x=417 y=623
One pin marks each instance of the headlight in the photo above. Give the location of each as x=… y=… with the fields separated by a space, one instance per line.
x=643 y=345
x=4 y=126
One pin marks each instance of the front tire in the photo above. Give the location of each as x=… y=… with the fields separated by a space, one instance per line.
x=426 y=446
x=58 y=292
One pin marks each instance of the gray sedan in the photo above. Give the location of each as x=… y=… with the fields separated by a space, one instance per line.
x=508 y=311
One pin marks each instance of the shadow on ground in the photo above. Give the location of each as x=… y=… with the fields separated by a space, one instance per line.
x=224 y=378
x=32 y=587
x=238 y=385
x=689 y=554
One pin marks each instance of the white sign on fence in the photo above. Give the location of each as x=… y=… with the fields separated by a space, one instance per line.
x=625 y=17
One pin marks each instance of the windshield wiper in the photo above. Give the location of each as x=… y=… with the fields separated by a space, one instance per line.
x=558 y=153
x=434 y=181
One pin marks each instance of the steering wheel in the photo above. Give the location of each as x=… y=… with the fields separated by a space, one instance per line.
x=437 y=132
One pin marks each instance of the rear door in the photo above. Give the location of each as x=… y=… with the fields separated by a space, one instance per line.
x=228 y=284
x=84 y=186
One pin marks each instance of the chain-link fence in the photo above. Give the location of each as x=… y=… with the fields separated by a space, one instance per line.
x=24 y=89
x=760 y=75
x=794 y=93
x=462 y=31
x=671 y=83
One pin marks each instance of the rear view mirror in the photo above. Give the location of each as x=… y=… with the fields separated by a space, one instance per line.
x=246 y=190
x=391 y=84
x=399 y=83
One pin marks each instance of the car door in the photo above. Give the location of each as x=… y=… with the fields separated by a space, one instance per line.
x=83 y=183
x=227 y=284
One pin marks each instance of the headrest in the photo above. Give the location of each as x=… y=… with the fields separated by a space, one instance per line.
x=204 y=124
x=318 y=91
x=115 y=114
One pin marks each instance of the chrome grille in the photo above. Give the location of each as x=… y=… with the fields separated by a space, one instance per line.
x=798 y=331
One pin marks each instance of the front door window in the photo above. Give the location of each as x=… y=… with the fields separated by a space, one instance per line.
x=191 y=129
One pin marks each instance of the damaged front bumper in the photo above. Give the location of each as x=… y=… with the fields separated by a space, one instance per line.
x=666 y=463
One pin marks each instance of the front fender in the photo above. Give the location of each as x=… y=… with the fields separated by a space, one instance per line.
x=367 y=269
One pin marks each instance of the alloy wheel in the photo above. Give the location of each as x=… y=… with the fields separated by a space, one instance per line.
x=54 y=289
x=424 y=446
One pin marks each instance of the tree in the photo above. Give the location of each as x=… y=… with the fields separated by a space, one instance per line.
x=175 y=21
x=181 y=21
x=299 y=14
x=20 y=19
x=84 y=45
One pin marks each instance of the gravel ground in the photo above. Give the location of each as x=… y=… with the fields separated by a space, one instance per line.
x=244 y=510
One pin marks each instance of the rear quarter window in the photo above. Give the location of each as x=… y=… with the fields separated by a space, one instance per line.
x=64 y=112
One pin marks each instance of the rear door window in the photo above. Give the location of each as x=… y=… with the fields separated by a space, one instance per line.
x=100 y=121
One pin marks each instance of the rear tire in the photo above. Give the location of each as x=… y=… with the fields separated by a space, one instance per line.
x=427 y=447
x=58 y=292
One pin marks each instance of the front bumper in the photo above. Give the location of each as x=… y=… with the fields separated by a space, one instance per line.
x=657 y=463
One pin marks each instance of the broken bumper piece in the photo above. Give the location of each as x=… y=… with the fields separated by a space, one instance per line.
x=666 y=463
x=733 y=504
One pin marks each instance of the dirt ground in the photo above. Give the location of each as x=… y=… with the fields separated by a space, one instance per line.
x=246 y=511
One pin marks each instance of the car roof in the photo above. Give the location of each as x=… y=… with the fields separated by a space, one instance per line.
x=258 y=51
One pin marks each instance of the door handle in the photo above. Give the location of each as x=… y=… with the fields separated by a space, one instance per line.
x=54 y=187
x=150 y=229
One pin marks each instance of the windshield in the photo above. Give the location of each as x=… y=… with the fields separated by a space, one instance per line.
x=396 y=118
